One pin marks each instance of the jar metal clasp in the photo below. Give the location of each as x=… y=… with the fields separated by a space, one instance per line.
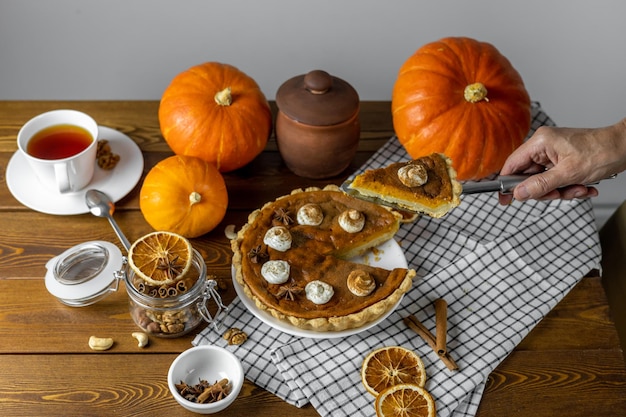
x=120 y=274
x=210 y=292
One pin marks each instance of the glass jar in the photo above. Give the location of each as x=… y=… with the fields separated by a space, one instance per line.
x=169 y=311
x=87 y=273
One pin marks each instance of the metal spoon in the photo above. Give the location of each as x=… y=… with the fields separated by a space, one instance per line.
x=100 y=205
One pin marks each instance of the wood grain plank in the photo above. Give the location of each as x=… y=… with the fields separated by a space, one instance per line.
x=89 y=388
x=580 y=321
x=139 y=120
x=33 y=321
x=33 y=386
x=25 y=254
x=573 y=383
x=42 y=324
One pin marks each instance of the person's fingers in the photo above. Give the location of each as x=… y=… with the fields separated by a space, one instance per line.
x=518 y=162
x=540 y=185
x=592 y=192
x=565 y=193
x=577 y=191
x=552 y=195
x=505 y=199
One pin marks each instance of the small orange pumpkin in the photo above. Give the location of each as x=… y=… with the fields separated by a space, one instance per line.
x=461 y=97
x=215 y=112
x=184 y=195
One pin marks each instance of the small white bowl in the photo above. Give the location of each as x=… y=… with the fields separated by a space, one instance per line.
x=210 y=363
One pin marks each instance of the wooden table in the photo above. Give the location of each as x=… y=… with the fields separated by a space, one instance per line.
x=571 y=364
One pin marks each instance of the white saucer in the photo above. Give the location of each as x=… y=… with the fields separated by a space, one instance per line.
x=116 y=183
x=388 y=255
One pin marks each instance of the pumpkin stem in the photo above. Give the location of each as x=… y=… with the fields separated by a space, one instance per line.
x=224 y=97
x=194 y=197
x=475 y=93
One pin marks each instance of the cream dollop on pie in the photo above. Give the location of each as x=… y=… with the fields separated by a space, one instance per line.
x=319 y=258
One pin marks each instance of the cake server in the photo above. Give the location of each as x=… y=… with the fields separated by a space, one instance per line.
x=503 y=184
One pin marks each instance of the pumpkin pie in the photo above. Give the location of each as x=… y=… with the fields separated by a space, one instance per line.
x=292 y=258
x=425 y=185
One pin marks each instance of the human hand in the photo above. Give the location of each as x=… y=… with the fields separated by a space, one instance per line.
x=564 y=158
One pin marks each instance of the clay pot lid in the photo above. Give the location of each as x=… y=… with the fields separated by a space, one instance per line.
x=317 y=98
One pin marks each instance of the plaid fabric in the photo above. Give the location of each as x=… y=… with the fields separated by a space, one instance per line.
x=500 y=269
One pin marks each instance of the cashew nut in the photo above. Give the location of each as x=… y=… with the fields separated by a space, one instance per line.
x=230 y=232
x=142 y=339
x=100 y=343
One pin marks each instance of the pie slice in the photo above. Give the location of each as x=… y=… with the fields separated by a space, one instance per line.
x=292 y=258
x=425 y=185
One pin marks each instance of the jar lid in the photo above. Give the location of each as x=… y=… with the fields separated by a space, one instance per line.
x=84 y=274
x=317 y=98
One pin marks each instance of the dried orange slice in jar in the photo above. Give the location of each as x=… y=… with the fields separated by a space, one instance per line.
x=391 y=365
x=160 y=258
x=405 y=400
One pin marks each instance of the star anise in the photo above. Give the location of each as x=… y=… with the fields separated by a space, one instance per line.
x=257 y=255
x=172 y=270
x=288 y=292
x=282 y=215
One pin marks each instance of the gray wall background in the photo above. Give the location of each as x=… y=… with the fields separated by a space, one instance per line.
x=571 y=53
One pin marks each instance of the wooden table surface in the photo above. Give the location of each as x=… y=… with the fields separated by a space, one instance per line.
x=570 y=365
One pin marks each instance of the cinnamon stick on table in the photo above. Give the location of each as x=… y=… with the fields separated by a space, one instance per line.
x=436 y=344
x=441 y=326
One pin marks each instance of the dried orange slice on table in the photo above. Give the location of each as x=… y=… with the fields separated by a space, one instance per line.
x=389 y=366
x=405 y=400
x=160 y=258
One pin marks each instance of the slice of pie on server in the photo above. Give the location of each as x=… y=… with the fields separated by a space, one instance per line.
x=425 y=185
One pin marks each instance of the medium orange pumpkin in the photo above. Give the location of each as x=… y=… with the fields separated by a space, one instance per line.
x=463 y=98
x=215 y=112
x=184 y=195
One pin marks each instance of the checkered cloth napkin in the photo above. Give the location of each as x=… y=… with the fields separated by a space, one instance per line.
x=500 y=270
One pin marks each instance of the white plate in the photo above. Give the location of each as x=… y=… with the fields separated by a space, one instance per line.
x=388 y=255
x=116 y=183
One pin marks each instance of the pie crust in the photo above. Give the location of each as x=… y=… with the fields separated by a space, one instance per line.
x=321 y=253
x=438 y=194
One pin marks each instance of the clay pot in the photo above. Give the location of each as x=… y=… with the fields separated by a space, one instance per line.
x=317 y=125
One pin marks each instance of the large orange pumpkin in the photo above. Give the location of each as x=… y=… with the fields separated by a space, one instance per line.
x=184 y=195
x=461 y=97
x=215 y=112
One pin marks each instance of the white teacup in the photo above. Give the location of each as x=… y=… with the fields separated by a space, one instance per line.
x=60 y=147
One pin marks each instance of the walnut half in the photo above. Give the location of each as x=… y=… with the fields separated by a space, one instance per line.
x=235 y=336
